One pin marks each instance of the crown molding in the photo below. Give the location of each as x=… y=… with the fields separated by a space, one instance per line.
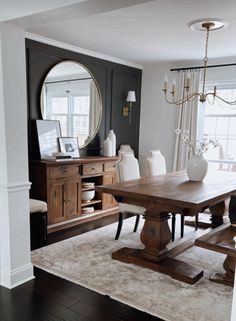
x=87 y=52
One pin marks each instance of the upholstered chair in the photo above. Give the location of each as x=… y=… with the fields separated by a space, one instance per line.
x=38 y=223
x=128 y=169
x=156 y=165
x=125 y=149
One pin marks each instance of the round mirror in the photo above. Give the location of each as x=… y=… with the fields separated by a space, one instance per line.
x=71 y=95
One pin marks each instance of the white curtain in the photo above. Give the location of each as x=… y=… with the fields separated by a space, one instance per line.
x=94 y=113
x=187 y=117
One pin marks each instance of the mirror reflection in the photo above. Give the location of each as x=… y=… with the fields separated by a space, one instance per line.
x=71 y=95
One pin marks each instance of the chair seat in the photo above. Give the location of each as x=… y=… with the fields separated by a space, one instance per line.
x=37 y=206
x=129 y=208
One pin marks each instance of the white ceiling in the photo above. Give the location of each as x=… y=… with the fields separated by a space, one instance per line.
x=141 y=31
x=11 y=9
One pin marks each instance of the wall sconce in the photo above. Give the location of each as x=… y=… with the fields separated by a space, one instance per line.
x=131 y=98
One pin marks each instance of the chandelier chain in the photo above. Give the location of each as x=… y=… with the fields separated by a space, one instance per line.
x=207 y=26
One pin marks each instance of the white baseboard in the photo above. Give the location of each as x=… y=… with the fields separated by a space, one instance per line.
x=16 y=277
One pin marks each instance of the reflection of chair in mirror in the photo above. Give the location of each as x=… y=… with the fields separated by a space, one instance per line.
x=223 y=157
x=128 y=168
x=156 y=165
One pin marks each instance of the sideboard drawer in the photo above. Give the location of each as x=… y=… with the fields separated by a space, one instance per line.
x=110 y=167
x=64 y=171
x=89 y=169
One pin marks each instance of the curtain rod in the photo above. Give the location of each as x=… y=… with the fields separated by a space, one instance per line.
x=201 y=67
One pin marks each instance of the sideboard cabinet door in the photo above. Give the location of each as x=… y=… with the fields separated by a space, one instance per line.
x=56 y=201
x=60 y=185
x=72 y=200
x=108 y=200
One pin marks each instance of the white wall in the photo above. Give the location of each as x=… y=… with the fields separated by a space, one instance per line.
x=157 y=120
x=15 y=260
x=233 y=313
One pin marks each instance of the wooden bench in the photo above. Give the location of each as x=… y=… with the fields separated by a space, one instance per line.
x=221 y=239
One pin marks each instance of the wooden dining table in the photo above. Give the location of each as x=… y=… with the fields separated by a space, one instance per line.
x=161 y=196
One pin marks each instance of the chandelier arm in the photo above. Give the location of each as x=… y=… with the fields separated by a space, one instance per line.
x=189 y=98
x=183 y=100
x=207 y=98
x=233 y=102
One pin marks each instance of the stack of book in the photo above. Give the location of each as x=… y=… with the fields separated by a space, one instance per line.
x=57 y=158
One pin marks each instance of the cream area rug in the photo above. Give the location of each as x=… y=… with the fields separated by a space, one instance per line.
x=86 y=260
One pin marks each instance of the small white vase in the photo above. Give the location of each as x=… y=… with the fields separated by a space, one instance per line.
x=197 y=168
x=112 y=137
x=107 y=147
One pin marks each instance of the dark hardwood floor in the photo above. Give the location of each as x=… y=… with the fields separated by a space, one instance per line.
x=50 y=298
x=83 y=228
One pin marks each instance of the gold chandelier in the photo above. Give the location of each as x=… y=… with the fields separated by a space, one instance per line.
x=207 y=26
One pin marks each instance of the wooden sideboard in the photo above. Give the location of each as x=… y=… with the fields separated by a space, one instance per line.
x=59 y=183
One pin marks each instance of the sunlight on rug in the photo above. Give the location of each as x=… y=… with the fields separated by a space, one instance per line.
x=86 y=260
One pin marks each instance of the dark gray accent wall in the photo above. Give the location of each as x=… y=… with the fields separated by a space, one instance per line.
x=114 y=81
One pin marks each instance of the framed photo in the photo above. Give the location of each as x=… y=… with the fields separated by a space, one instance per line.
x=69 y=146
x=48 y=133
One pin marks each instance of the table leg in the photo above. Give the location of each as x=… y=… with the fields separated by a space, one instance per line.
x=155 y=235
x=217 y=214
x=228 y=277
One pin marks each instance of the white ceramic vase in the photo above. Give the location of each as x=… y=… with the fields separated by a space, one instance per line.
x=107 y=147
x=197 y=168
x=112 y=137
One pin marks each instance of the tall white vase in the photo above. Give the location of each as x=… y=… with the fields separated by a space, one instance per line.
x=112 y=137
x=197 y=168
x=107 y=147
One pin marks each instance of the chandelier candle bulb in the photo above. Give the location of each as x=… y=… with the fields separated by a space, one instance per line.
x=165 y=83
x=214 y=90
x=174 y=86
x=187 y=84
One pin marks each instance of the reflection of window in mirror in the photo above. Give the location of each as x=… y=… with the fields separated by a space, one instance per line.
x=70 y=95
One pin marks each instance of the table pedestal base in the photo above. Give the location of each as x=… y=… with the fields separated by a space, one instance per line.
x=228 y=277
x=176 y=269
x=222 y=279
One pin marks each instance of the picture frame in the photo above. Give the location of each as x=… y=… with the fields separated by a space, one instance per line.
x=69 y=146
x=48 y=133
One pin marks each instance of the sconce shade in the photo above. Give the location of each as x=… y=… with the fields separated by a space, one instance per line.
x=131 y=96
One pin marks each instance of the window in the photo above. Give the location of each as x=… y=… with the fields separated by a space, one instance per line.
x=218 y=120
x=72 y=108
